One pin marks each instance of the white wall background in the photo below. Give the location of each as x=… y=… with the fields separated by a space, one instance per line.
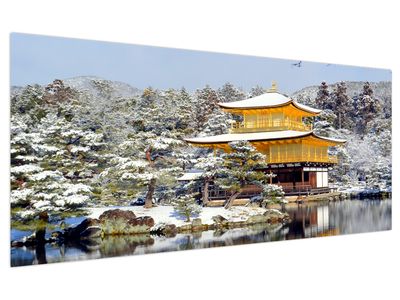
x=361 y=33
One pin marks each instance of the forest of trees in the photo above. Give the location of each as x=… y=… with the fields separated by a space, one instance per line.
x=365 y=122
x=74 y=146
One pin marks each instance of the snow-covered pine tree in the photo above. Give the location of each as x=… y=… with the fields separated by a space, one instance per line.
x=241 y=166
x=29 y=104
x=368 y=107
x=323 y=124
x=272 y=193
x=57 y=180
x=229 y=93
x=341 y=106
x=218 y=123
x=341 y=174
x=210 y=165
x=185 y=113
x=160 y=152
x=124 y=175
x=323 y=100
x=144 y=161
x=256 y=91
x=186 y=205
x=24 y=162
x=54 y=159
x=206 y=100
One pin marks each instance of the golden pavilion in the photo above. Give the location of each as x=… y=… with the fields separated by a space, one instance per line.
x=276 y=126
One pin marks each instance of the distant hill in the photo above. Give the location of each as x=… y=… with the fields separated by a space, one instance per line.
x=96 y=87
x=99 y=87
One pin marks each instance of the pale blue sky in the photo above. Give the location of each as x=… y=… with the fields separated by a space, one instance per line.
x=41 y=59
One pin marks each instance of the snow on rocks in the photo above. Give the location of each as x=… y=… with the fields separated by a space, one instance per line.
x=167 y=214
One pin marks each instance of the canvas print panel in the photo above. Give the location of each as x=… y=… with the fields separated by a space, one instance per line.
x=123 y=149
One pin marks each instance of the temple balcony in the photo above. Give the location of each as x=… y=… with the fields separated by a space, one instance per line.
x=275 y=125
x=332 y=159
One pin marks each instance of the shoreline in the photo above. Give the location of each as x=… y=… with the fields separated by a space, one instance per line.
x=159 y=220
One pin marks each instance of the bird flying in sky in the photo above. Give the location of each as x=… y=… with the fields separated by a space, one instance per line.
x=297 y=64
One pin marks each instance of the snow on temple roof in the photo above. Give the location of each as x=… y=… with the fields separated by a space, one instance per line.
x=264 y=100
x=267 y=100
x=257 y=136
x=306 y=108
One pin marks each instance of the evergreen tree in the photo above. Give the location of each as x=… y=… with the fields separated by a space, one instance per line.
x=218 y=123
x=229 y=93
x=323 y=100
x=29 y=105
x=256 y=91
x=54 y=158
x=56 y=177
x=272 y=193
x=324 y=124
x=368 y=107
x=186 y=206
x=241 y=166
x=206 y=101
x=185 y=112
x=341 y=105
x=210 y=166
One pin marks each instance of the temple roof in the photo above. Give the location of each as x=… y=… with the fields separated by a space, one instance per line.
x=259 y=136
x=268 y=100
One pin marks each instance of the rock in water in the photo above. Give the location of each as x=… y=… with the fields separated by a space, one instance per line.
x=75 y=232
x=164 y=229
x=220 y=220
x=91 y=232
x=117 y=221
x=256 y=219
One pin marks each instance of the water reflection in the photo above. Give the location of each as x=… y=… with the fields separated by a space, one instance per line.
x=308 y=220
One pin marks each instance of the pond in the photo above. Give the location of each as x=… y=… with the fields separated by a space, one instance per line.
x=308 y=220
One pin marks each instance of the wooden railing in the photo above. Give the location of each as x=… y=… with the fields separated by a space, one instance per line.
x=303 y=158
x=251 y=126
x=289 y=189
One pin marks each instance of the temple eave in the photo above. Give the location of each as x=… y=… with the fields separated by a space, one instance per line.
x=233 y=107
x=227 y=138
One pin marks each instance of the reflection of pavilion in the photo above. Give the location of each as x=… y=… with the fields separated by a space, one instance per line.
x=310 y=221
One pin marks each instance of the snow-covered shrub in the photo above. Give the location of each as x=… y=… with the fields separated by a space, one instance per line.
x=272 y=193
x=20 y=196
x=76 y=200
x=25 y=215
x=185 y=205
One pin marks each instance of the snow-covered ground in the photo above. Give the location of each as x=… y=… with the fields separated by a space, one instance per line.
x=166 y=214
